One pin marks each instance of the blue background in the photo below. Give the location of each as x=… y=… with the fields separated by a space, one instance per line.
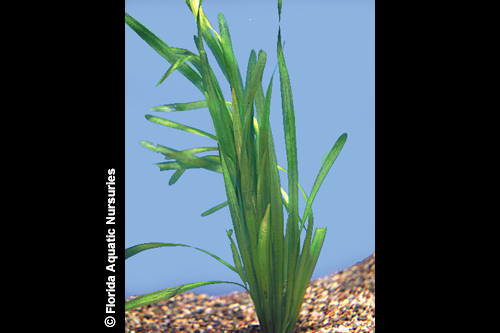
x=330 y=55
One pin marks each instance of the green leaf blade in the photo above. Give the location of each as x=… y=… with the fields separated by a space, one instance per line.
x=232 y=67
x=325 y=168
x=132 y=251
x=214 y=209
x=290 y=133
x=164 y=50
x=236 y=258
x=180 y=106
x=175 y=177
x=172 y=68
x=264 y=260
x=173 y=124
x=292 y=230
x=167 y=293
x=185 y=159
x=279 y=9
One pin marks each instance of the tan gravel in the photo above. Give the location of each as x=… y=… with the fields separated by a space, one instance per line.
x=340 y=302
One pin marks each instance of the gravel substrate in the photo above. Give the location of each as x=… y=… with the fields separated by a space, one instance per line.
x=340 y=302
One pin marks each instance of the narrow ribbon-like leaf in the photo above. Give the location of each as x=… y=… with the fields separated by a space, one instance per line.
x=172 y=68
x=236 y=258
x=185 y=159
x=279 y=9
x=327 y=164
x=205 y=29
x=214 y=209
x=175 y=177
x=167 y=293
x=292 y=229
x=131 y=251
x=289 y=129
x=173 y=124
x=180 y=165
x=300 y=288
x=164 y=50
x=230 y=61
x=237 y=217
x=183 y=106
x=180 y=106
x=264 y=258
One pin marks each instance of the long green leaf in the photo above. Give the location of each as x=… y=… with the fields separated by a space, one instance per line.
x=172 y=68
x=237 y=128
x=272 y=184
x=175 y=177
x=164 y=50
x=179 y=165
x=173 y=124
x=239 y=226
x=230 y=61
x=252 y=61
x=215 y=99
x=290 y=135
x=249 y=164
x=264 y=259
x=279 y=9
x=214 y=209
x=183 y=106
x=302 y=276
x=292 y=230
x=180 y=106
x=327 y=164
x=256 y=79
x=181 y=154
x=300 y=289
x=214 y=43
x=236 y=258
x=184 y=158
x=167 y=293
x=132 y=251
x=316 y=246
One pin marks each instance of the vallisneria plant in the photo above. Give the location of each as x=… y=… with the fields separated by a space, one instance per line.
x=267 y=253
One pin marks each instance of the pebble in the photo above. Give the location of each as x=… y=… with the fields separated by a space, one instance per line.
x=337 y=303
